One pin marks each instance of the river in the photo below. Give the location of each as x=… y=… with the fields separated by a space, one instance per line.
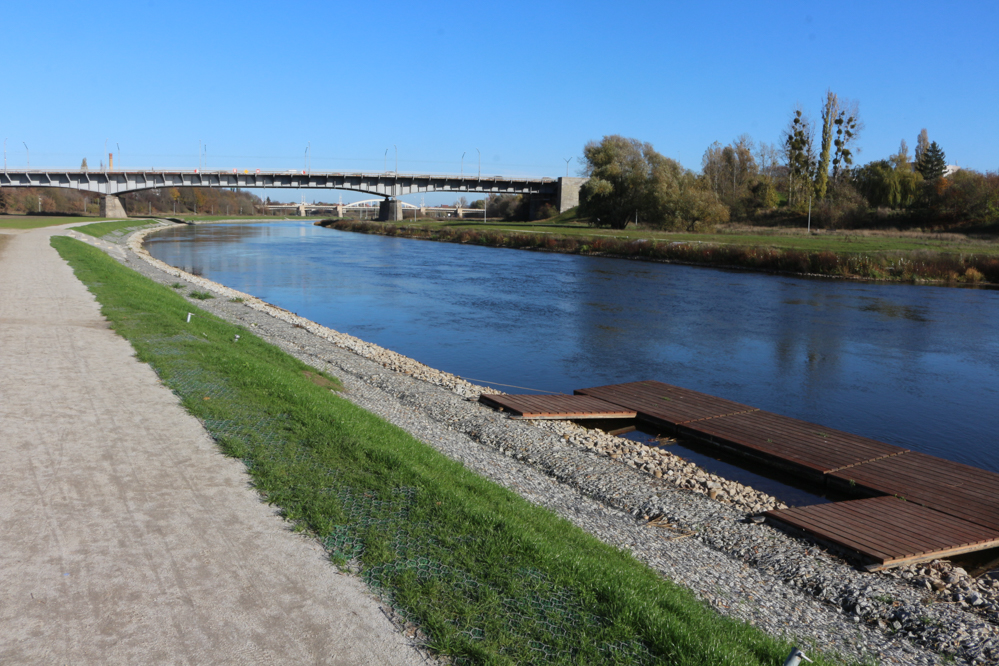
x=915 y=366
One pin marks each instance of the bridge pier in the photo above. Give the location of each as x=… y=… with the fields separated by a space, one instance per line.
x=111 y=207
x=390 y=210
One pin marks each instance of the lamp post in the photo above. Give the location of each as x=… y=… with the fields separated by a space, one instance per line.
x=396 y=159
x=567 y=160
x=463 y=165
x=5 y=155
x=385 y=161
x=119 y=153
x=480 y=162
x=306 y=161
x=105 y=153
x=28 y=153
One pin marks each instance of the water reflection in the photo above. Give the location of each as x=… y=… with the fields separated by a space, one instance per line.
x=913 y=366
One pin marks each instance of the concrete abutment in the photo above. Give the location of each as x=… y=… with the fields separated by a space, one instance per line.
x=111 y=207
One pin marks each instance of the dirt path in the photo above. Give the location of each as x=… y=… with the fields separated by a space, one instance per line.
x=125 y=536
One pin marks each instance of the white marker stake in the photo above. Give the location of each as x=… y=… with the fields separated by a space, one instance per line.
x=189 y=317
x=237 y=338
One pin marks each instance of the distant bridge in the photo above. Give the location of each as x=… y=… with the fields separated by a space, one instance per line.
x=562 y=192
x=375 y=204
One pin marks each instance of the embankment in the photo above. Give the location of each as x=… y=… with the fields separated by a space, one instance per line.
x=915 y=267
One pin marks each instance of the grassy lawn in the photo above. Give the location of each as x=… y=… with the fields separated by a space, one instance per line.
x=489 y=577
x=853 y=241
x=104 y=228
x=37 y=221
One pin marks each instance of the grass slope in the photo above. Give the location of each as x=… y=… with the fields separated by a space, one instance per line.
x=489 y=577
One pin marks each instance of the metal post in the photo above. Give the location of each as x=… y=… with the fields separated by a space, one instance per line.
x=809 y=213
x=385 y=161
x=396 y=159
x=105 y=153
x=39 y=203
x=5 y=155
x=119 y=154
x=463 y=165
x=480 y=162
x=567 y=160
x=29 y=154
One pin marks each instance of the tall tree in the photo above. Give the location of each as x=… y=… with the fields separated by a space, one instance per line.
x=629 y=180
x=901 y=159
x=922 y=143
x=934 y=162
x=798 y=146
x=840 y=127
x=730 y=171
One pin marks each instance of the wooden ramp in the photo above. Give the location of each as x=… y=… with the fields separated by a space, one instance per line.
x=887 y=531
x=556 y=407
x=928 y=507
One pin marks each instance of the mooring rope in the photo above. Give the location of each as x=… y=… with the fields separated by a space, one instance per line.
x=525 y=388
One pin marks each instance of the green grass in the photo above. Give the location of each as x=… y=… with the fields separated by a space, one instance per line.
x=201 y=295
x=847 y=241
x=977 y=262
x=104 y=228
x=491 y=578
x=36 y=222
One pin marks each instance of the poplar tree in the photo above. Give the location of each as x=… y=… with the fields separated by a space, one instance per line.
x=799 y=152
x=840 y=127
x=922 y=143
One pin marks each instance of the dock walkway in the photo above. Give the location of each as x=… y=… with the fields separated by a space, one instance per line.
x=915 y=507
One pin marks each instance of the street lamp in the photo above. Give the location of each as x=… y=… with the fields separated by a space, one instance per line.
x=396 y=159
x=463 y=165
x=105 y=153
x=306 y=161
x=480 y=162
x=28 y=152
x=119 y=153
x=385 y=161
x=567 y=160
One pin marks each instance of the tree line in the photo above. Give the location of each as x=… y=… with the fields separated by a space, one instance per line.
x=162 y=201
x=811 y=169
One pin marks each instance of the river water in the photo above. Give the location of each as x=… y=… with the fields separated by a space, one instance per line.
x=914 y=366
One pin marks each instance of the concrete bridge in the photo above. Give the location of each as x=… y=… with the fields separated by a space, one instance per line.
x=563 y=193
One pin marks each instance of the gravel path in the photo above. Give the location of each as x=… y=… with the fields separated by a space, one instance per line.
x=690 y=526
x=128 y=538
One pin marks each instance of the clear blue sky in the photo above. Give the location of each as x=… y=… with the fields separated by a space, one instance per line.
x=528 y=83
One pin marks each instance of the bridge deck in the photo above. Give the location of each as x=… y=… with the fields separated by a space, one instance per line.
x=929 y=508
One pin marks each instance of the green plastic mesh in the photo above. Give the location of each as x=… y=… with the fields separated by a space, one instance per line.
x=537 y=607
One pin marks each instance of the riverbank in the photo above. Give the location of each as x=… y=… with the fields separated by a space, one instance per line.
x=486 y=575
x=912 y=266
x=752 y=572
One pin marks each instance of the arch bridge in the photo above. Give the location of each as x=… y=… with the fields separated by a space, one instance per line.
x=562 y=192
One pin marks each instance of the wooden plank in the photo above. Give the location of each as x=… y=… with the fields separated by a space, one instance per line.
x=556 y=406
x=671 y=404
x=888 y=530
x=930 y=481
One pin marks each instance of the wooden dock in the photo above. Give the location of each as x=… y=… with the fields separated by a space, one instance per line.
x=556 y=407
x=918 y=507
